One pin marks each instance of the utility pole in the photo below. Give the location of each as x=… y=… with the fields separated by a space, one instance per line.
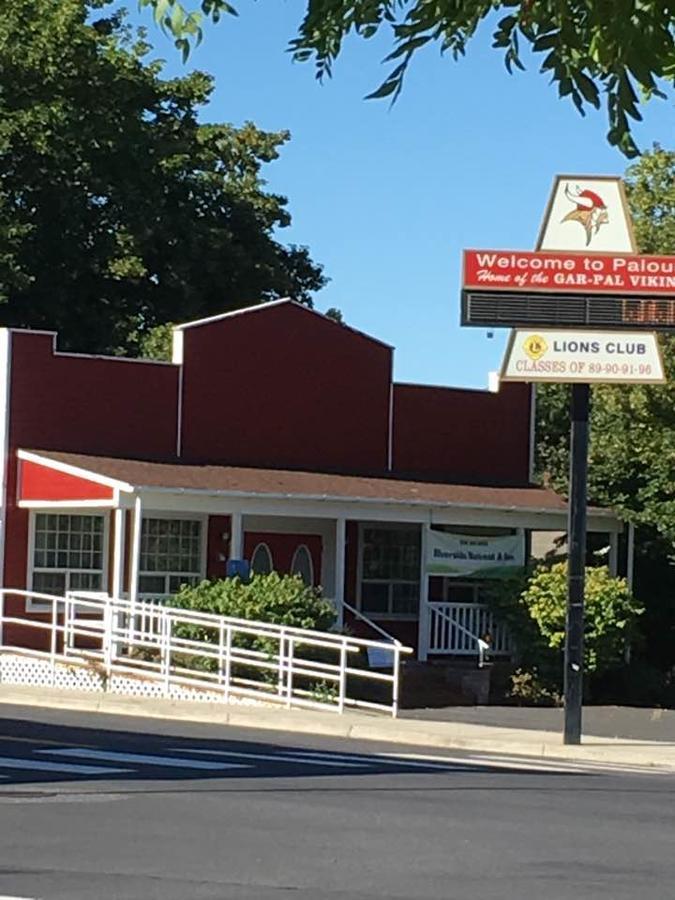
x=576 y=569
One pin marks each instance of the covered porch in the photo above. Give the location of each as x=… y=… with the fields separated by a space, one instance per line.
x=138 y=530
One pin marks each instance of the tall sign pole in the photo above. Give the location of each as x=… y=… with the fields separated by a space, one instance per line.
x=576 y=566
x=584 y=275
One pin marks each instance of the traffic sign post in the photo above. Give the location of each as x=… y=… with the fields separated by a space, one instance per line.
x=585 y=308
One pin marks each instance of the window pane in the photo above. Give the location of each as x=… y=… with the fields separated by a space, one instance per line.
x=302 y=565
x=391 y=553
x=261 y=561
x=406 y=598
x=85 y=581
x=152 y=584
x=49 y=582
x=375 y=597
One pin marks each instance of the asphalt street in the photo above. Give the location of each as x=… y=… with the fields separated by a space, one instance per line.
x=96 y=806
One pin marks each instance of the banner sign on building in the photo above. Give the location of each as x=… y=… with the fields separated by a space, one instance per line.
x=470 y=556
x=583 y=356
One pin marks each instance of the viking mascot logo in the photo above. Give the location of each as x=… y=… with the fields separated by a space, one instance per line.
x=589 y=211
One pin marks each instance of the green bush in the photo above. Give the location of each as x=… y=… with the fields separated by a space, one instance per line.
x=610 y=613
x=533 y=608
x=527 y=688
x=274 y=598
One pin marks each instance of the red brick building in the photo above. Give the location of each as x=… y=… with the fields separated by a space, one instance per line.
x=275 y=435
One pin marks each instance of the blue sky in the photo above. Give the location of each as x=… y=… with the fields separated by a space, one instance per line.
x=387 y=198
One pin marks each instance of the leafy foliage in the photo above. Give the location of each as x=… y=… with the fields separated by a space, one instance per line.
x=610 y=612
x=119 y=210
x=622 y=50
x=533 y=607
x=273 y=598
x=279 y=599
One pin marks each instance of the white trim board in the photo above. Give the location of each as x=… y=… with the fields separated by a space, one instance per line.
x=76 y=471
x=5 y=384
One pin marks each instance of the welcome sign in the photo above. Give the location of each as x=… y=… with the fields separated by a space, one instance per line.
x=467 y=556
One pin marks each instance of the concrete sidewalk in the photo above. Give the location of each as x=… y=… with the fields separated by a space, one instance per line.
x=446 y=733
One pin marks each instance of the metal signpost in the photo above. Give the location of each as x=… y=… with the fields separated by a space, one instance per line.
x=585 y=308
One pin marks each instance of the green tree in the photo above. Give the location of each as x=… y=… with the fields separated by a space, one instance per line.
x=623 y=50
x=119 y=210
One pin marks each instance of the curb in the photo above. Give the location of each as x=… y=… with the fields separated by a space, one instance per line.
x=514 y=742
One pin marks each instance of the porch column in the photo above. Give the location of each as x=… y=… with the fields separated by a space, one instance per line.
x=423 y=637
x=120 y=520
x=340 y=547
x=613 y=560
x=135 y=555
x=236 y=536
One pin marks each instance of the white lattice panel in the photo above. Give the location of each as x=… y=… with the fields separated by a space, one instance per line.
x=33 y=671
x=18 y=669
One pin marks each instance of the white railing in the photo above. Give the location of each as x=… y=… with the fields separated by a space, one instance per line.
x=462 y=628
x=235 y=657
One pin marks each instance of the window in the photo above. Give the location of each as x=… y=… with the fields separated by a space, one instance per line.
x=302 y=565
x=67 y=553
x=261 y=560
x=171 y=555
x=390 y=570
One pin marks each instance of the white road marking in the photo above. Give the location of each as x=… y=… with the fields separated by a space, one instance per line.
x=336 y=760
x=12 y=897
x=481 y=763
x=145 y=759
x=274 y=757
x=410 y=760
x=43 y=765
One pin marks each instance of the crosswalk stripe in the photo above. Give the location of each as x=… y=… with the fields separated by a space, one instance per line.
x=481 y=763
x=587 y=765
x=43 y=765
x=408 y=760
x=145 y=759
x=337 y=760
x=273 y=757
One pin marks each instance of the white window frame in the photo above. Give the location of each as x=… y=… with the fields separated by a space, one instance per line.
x=386 y=526
x=203 y=550
x=309 y=557
x=43 y=605
x=269 y=554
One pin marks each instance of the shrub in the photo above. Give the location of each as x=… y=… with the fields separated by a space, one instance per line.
x=533 y=607
x=610 y=612
x=528 y=688
x=279 y=599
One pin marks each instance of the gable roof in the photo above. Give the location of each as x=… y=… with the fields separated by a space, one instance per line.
x=262 y=307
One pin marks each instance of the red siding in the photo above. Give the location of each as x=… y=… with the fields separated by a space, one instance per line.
x=81 y=404
x=90 y=405
x=458 y=435
x=38 y=482
x=217 y=546
x=284 y=387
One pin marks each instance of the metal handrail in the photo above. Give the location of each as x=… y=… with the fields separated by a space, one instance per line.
x=121 y=630
x=373 y=625
x=483 y=645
